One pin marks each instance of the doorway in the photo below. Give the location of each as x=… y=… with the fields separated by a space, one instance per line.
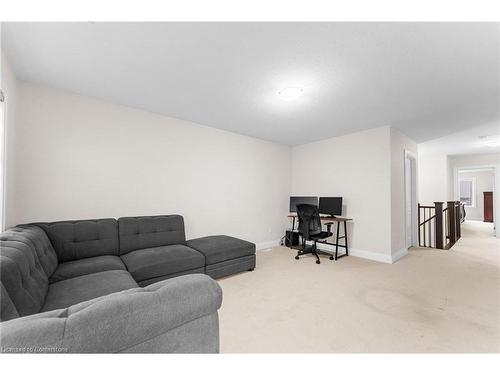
x=475 y=188
x=411 y=224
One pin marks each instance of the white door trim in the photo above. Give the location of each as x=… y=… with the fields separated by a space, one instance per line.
x=408 y=155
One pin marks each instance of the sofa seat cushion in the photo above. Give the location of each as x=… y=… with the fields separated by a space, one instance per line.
x=75 y=268
x=69 y=292
x=163 y=260
x=155 y=280
x=221 y=248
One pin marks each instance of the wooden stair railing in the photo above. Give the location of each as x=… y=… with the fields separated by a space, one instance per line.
x=439 y=227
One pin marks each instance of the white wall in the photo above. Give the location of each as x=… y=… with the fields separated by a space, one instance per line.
x=367 y=169
x=76 y=157
x=471 y=161
x=399 y=143
x=484 y=182
x=8 y=83
x=356 y=167
x=433 y=179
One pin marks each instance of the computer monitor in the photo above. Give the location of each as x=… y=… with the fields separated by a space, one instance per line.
x=294 y=201
x=330 y=205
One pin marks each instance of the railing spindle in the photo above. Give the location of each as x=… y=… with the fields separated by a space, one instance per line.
x=451 y=222
x=418 y=213
x=438 y=232
x=439 y=227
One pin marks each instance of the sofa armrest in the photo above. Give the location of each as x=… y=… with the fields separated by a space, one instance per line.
x=119 y=321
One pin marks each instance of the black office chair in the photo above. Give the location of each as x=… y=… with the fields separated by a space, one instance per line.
x=310 y=230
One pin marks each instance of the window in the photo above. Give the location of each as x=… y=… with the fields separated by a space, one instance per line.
x=468 y=191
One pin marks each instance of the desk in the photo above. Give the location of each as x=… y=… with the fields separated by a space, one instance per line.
x=339 y=221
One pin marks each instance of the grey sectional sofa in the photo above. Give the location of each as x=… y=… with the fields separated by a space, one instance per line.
x=112 y=285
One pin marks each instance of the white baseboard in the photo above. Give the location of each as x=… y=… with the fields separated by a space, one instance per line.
x=371 y=255
x=263 y=246
x=365 y=254
x=474 y=218
x=399 y=254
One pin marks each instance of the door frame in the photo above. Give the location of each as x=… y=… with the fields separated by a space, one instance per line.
x=412 y=158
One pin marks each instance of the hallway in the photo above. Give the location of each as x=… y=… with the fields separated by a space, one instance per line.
x=479 y=241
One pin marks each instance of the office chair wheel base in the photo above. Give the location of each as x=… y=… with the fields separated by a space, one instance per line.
x=331 y=258
x=318 y=262
x=297 y=257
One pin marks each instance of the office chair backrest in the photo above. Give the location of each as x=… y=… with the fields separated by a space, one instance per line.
x=309 y=220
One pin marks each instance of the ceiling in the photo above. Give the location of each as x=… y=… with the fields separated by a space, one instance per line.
x=465 y=142
x=427 y=79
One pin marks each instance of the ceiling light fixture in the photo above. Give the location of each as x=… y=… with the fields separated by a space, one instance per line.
x=490 y=141
x=290 y=93
x=493 y=143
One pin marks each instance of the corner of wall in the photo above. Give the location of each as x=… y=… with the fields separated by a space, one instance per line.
x=400 y=144
x=399 y=254
x=9 y=87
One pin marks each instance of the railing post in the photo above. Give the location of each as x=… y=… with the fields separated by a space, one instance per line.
x=438 y=224
x=418 y=224
x=457 y=215
x=451 y=222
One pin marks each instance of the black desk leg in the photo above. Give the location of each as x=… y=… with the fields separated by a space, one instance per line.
x=345 y=239
x=337 y=242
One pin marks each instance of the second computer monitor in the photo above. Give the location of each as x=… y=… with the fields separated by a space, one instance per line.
x=294 y=201
x=330 y=205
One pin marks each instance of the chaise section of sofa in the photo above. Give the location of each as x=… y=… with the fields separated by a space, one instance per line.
x=225 y=255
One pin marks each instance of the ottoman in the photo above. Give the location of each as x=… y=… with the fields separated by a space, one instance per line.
x=224 y=255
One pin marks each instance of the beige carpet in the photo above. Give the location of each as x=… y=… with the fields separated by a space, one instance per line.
x=429 y=301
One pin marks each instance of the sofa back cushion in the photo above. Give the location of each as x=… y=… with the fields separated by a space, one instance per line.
x=142 y=232
x=38 y=239
x=77 y=239
x=23 y=279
